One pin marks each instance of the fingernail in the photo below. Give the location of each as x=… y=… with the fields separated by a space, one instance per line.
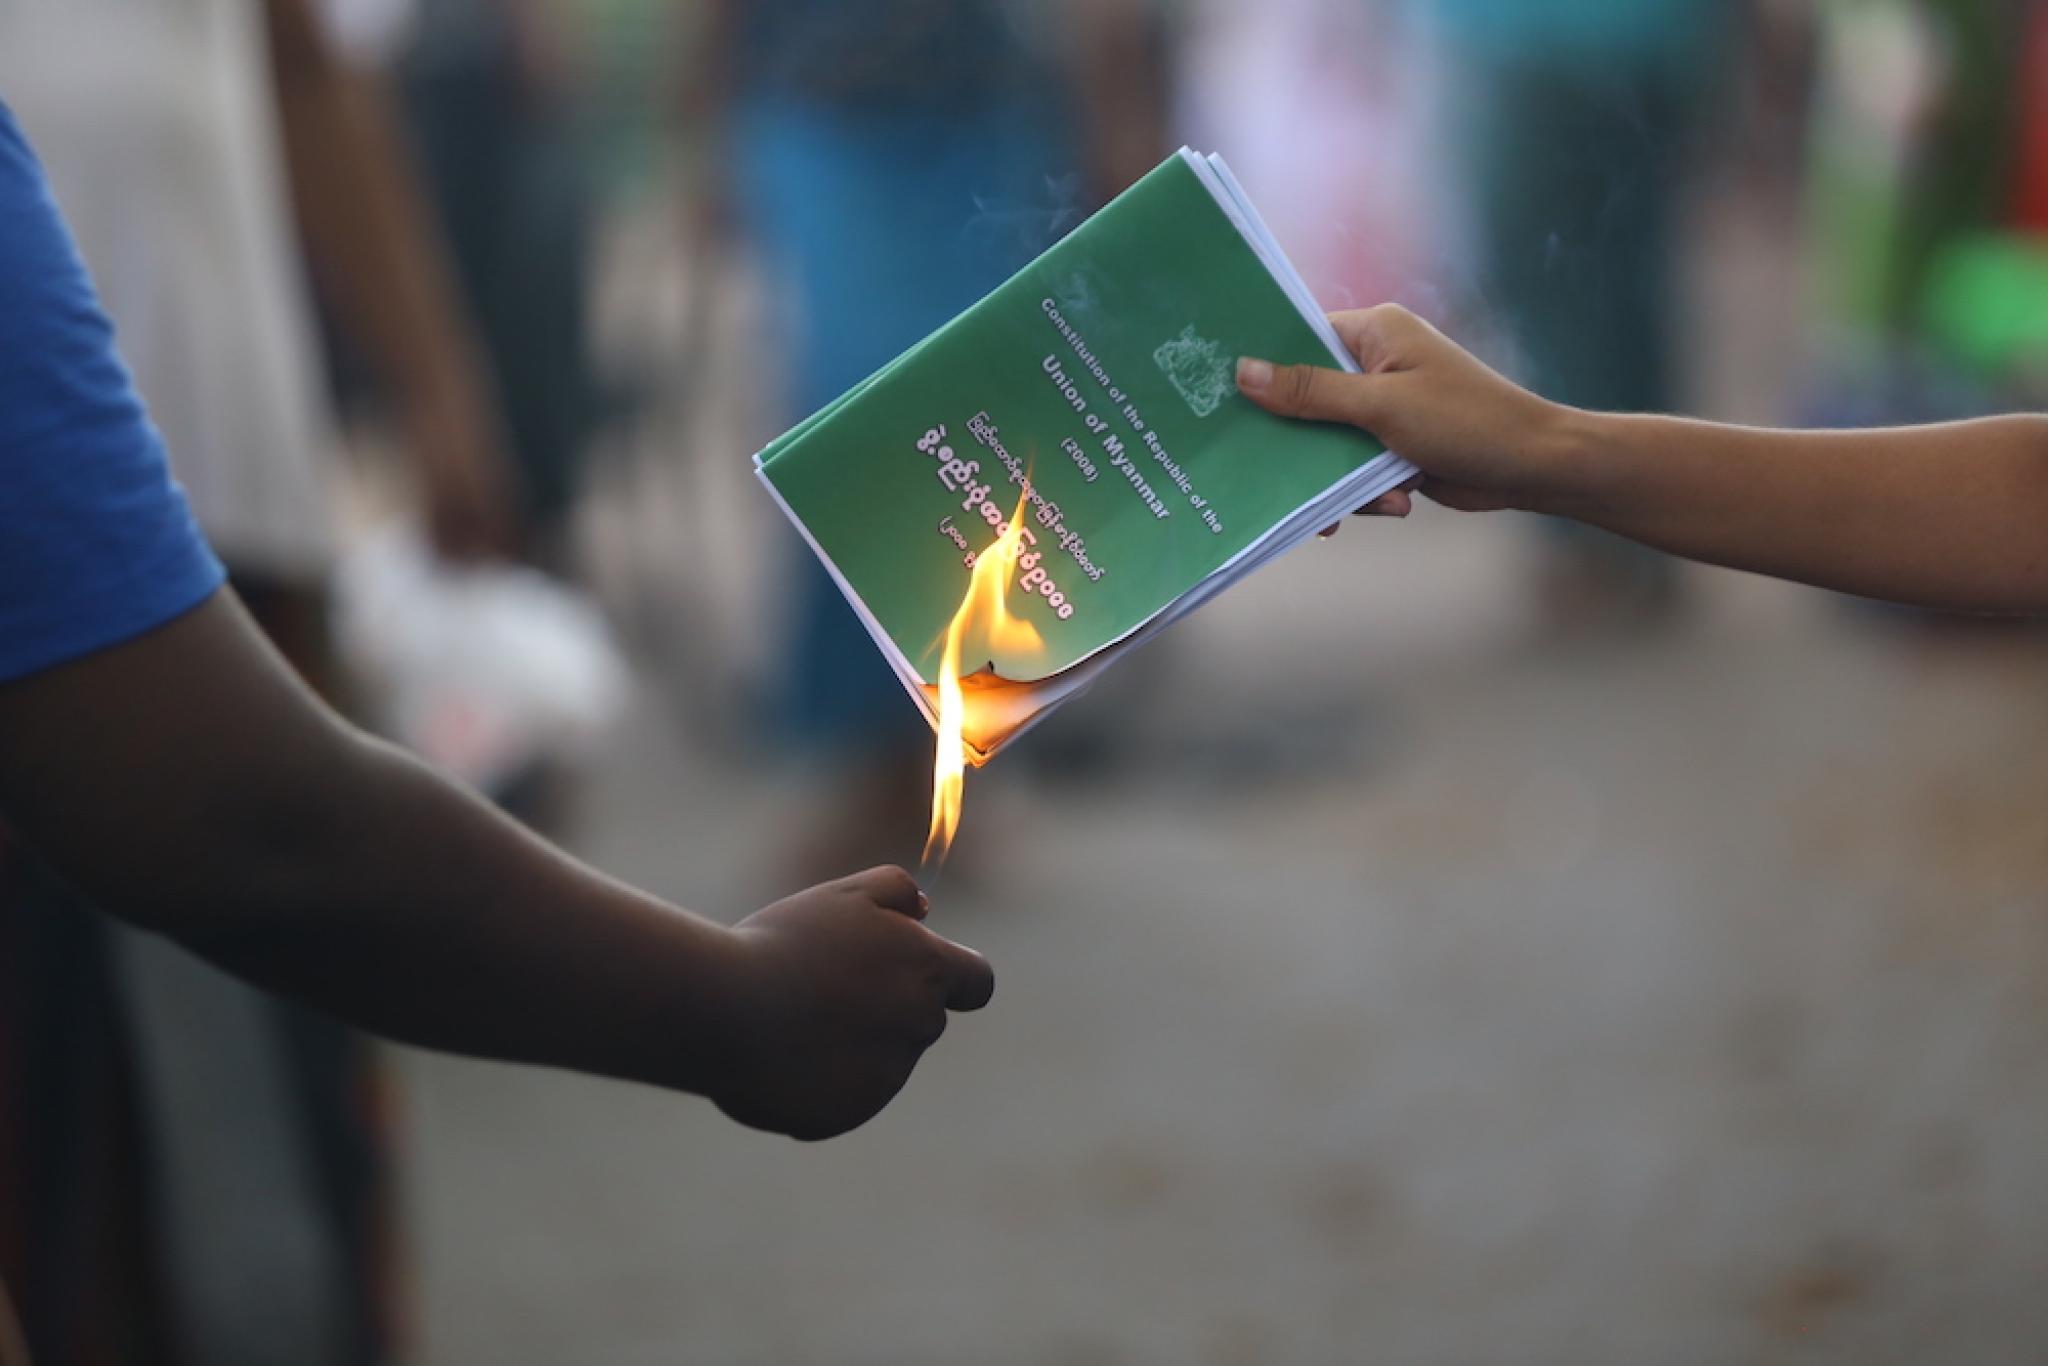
x=1253 y=374
x=924 y=903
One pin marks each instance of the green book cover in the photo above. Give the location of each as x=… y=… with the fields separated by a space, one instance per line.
x=1096 y=390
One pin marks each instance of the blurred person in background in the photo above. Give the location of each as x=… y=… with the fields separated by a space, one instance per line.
x=488 y=92
x=180 y=136
x=1574 y=122
x=893 y=161
x=1290 y=88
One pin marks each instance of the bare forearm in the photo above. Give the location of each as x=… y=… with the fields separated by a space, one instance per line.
x=188 y=782
x=374 y=248
x=1953 y=515
x=410 y=907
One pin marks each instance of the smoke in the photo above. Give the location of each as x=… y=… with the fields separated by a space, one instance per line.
x=1013 y=229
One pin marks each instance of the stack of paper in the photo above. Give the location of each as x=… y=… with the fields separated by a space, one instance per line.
x=1097 y=389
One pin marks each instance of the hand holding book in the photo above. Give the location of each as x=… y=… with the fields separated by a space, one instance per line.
x=1947 y=515
x=1481 y=442
x=1089 y=401
x=1081 y=422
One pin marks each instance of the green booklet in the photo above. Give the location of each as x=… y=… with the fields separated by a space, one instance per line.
x=1093 y=396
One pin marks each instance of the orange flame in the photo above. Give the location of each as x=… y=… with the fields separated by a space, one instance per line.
x=985 y=611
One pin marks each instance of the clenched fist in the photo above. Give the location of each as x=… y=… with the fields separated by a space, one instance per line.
x=837 y=992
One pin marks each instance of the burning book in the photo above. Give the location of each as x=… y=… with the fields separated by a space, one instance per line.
x=1074 y=448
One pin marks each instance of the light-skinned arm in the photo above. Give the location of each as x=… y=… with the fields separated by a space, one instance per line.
x=1952 y=515
x=188 y=782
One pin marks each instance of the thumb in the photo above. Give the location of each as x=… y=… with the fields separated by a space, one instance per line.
x=970 y=981
x=1310 y=391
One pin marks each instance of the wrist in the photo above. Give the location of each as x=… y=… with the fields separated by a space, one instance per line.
x=1572 y=452
x=692 y=1036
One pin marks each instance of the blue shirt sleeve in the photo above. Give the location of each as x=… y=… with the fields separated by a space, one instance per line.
x=97 y=544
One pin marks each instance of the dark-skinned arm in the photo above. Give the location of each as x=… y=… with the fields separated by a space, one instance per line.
x=188 y=782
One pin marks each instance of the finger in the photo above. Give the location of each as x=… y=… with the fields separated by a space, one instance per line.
x=1395 y=502
x=1327 y=532
x=970 y=981
x=893 y=889
x=1375 y=335
x=1308 y=391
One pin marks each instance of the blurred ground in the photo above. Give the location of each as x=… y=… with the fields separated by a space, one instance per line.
x=1422 y=990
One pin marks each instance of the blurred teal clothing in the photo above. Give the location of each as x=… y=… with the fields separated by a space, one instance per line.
x=1584 y=32
x=884 y=224
x=874 y=54
x=878 y=224
x=895 y=160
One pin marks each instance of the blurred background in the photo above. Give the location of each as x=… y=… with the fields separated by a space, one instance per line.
x=1496 y=944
